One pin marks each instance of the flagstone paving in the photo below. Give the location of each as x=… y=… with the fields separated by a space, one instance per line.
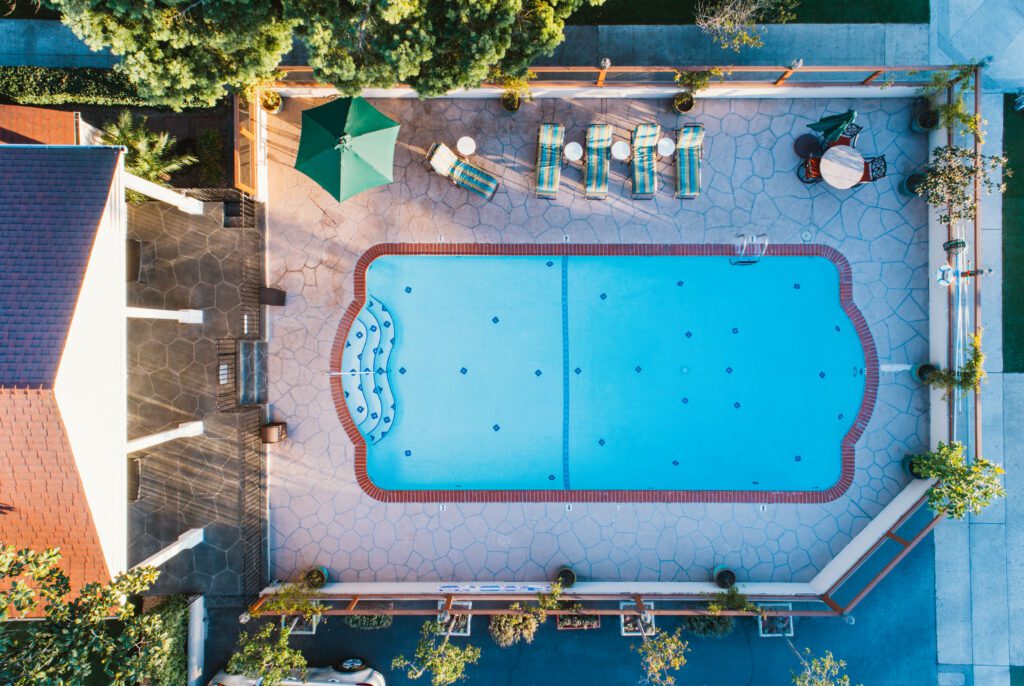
x=319 y=515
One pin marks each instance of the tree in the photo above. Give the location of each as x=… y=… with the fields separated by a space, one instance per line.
x=961 y=487
x=97 y=627
x=184 y=53
x=819 y=671
x=445 y=662
x=660 y=653
x=949 y=178
x=150 y=155
x=522 y=623
x=732 y=24
x=262 y=655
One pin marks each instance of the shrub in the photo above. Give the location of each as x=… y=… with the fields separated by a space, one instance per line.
x=210 y=158
x=709 y=626
x=60 y=86
x=507 y=630
x=949 y=181
x=173 y=615
x=262 y=655
x=962 y=487
x=820 y=671
x=968 y=377
x=369 y=622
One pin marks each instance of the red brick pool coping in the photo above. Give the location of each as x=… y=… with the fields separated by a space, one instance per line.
x=607 y=496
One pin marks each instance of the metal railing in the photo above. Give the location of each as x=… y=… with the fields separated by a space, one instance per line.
x=254 y=504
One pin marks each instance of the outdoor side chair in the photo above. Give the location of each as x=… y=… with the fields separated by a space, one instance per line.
x=463 y=174
x=809 y=170
x=875 y=168
x=550 y=140
x=645 y=160
x=689 y=151
x=597 y=161
x=850 y=135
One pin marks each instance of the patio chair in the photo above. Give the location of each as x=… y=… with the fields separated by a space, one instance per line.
x=463 y=174
x=849 y=136
x=550 y=139
x=689 y=151
x=809 y=170
x=875 y=168
x=645 y=160
x=597 y=161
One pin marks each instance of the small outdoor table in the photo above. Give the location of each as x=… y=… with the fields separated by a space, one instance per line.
x=666 y=146
x=466 y=146
x=842 y=166
x=620 y=150
x=807 y=145
x=573 y=151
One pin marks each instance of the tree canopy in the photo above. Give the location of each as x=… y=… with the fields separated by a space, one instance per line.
x=96 y=630
x=187 y=52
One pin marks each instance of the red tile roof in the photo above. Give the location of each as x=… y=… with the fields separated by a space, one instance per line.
x=42 y=501
x=20 y=124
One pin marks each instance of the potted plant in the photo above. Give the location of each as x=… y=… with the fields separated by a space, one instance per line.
x=565 y=577
x=271 y=101
x=962 y=488
x=967 y=378
x=723 y=576
x=910 y=183
x=261 y=92
x=955 y=111
x=924 y=120
x=316 y=578
x=577 y=622
x=516 y=89
x=691 y=83
x=949 y=177
x=923 y=372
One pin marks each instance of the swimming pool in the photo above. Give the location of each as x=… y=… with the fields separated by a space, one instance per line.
x=613 y=373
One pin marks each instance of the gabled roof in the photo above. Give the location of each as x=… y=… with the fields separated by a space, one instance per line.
x=19 y=124
x=51 y=202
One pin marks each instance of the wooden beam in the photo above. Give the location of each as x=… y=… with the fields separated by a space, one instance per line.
x=902 y=541
x=874 y=75
x=785 y=75
x=352 y=603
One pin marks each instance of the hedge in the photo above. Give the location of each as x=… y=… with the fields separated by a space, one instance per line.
x=174 y=613
x=60 y=86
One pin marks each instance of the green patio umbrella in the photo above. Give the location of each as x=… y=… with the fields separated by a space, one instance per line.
x=347 y=147
x=832 y=126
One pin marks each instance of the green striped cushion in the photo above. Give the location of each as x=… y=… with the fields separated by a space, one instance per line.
x=473 y=179
x=598 y=159
x=688 y=154
x=549 y=158
x=645 y=167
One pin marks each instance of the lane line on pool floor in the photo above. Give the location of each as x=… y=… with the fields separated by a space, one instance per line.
x=565 y=372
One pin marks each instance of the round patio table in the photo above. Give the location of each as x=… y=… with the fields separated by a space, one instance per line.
x=842 y=166
x=620 y=150
x=466 y=146
x=666 y=146
x=573 y=151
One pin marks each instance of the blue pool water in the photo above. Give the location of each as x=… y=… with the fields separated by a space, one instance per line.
x=603 y=373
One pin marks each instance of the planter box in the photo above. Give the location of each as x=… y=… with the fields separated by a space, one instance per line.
x=580 y=622
x=464 y=623
x=630 y=625
x=302 y=627
x=775 y=627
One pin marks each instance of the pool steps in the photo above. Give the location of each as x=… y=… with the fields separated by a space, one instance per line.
x=364 y=367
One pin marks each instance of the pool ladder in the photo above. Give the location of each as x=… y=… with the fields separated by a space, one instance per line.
x=749 y=248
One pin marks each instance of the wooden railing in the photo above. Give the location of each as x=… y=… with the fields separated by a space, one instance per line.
x=246 y=164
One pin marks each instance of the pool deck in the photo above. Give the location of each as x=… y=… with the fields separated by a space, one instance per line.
x=319 y=514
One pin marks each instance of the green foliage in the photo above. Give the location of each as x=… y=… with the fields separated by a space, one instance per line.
x=178 y=52
x=263 y=655
x=949 y=181
x=210 y=158
x=295 y=600
x=696 y=81
x=369 y=622
x=445 y=662
x=960 y=81
x=150 y=155
x=661 y=653
x=174 y=615
x=60 y=86
x=709 y=626
x=962 y=488
x=968 y=377
x=75 y=634
x=732 y=24
x=507 y=630
x=820 y=671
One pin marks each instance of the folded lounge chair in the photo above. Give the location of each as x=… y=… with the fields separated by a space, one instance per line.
x=462 y=173
x=645 y=160
x=550 y=139
x=689 y=151
x=597 y=161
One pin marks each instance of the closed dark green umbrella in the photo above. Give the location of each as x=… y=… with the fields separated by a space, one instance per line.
x=832 y=126
x=347 y=147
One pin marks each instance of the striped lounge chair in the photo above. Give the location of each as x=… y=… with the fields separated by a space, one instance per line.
x=462 y=173
x=597 y=161
x=689 y=150
x=550 y=139
x=645 y=160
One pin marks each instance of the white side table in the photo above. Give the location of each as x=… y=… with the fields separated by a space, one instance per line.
x=620 y=150
x=842 y=166
x=573 y=151
x=466 y=146
x=666 y=146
